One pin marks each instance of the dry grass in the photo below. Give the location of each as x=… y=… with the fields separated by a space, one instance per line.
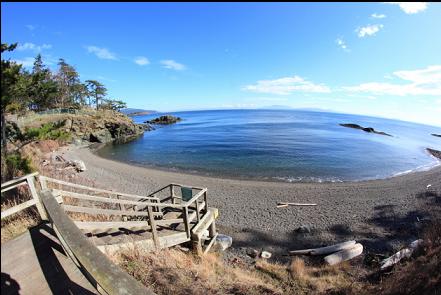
x=18 y=223
x=173 y=271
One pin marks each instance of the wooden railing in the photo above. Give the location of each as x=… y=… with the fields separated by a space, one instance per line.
x=150 y=208
x=35 y=201
x=107 y=277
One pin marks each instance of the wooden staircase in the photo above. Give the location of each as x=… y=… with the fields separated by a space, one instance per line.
x=115 y=221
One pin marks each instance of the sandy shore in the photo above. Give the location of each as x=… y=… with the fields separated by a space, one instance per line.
x=381 y=214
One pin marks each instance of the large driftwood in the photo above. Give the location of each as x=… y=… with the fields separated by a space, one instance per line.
x=324 y=250
x=344 y=255
x=405 y=253
x=286 y=204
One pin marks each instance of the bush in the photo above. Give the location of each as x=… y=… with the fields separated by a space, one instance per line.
x=16 y=165
x=48 y=131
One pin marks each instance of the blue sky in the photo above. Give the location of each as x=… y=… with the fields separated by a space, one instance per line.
x=378 y=59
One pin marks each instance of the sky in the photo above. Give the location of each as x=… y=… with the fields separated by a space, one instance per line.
x=378 y=59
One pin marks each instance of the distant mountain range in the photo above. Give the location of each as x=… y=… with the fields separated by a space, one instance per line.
x=136 y=112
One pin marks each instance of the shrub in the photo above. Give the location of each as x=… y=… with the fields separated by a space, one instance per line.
x=16 y=164
x=48 y=131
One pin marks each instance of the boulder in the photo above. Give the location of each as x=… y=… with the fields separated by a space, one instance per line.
x=224 y=241
x=304 y=229
x=265 y=255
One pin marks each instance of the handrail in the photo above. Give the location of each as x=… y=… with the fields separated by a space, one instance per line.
x=106 y=274
x=8 y=185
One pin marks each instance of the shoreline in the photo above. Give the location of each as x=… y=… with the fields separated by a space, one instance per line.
x=94 y=148
x=381 y=214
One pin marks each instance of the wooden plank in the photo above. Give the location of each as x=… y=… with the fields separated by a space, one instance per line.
x=6 y=184
x=325 y=250
x=153 y=227
x=189 y=202
x=213 y=239
x=18 y=208
x=113 y=201
x=97 y=225
x=36 y=197
x=14 y=186
x=93 y=189
x=95 y=211
x=186 y=221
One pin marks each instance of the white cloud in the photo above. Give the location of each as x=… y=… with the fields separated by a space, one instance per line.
x=27 y=62
x=142 y=61
x=31 y=27
x=101 y=53
x=342 y=44
x=376 y=15
x=411 y=7
x=173 y=65
x=369 y=30
x=33 y=47
x=285 y=86
x=418 y=82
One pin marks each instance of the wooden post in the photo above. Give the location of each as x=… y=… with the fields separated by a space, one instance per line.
x=206 y=202
x=186 y=223
x=197 y=211
x=212 y=229
x=43 y=183
x=153 y=226
x=37 y=199
x=172 y=193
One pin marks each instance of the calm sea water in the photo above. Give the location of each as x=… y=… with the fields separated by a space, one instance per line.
x=285 y=145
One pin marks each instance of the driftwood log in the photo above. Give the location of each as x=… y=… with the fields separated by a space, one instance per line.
x=404 y=253
x=286 y=204
x=344 y=255
x=324 y=250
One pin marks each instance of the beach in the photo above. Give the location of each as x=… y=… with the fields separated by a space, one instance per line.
x=381 y=214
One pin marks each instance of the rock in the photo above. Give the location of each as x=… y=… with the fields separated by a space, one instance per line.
x=164 y=120
x=147 y=127
x=265 y=255
x=79 y=165
x=253 y=253
x=435 y=153
x=304 y=229
x=224 y=241
x=437 y=135
x=365 y=129
x=101 y=136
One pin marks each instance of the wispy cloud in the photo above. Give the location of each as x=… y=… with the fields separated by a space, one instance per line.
x=342 y=44
x=101 y=53
x=142 y=61
x=173 y=65
x=369 y=30
x=285 y=86
x=26 y=62
x=33 y=47
x=377 y=15
x=31 y=27
x=411 y=7
x=425 y=81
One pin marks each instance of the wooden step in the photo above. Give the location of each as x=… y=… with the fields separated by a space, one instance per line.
x=204 y=223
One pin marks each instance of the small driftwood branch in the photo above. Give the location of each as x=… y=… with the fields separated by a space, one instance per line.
x=324 y=250
x=344 y=255
x=404 y=253
x=286 y=204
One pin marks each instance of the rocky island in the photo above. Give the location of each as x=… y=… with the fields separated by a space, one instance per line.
x=164 y=120
x=437 y=135
x=365 y=129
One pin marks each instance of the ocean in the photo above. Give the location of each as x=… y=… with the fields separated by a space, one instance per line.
x=281 y=145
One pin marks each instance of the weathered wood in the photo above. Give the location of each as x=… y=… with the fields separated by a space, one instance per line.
x=47 y=179
x=36 y=197
x=5 y=186
x=294 y=204
x=107 y=275
x=110 y=200
x=13 y=186
x=212 y=241
x=95 y=211
x=153 y=227
x=282 y=206
x=195 y=197
x=186 y=221
x=344 y=255
x=18 y=208
x=103 y=225
x=404 y=253
x=324 y=250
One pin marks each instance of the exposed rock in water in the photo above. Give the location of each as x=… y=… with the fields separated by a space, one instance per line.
x=164 y=120
x=437 y=135
x=365 y=129
x=435 y=153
